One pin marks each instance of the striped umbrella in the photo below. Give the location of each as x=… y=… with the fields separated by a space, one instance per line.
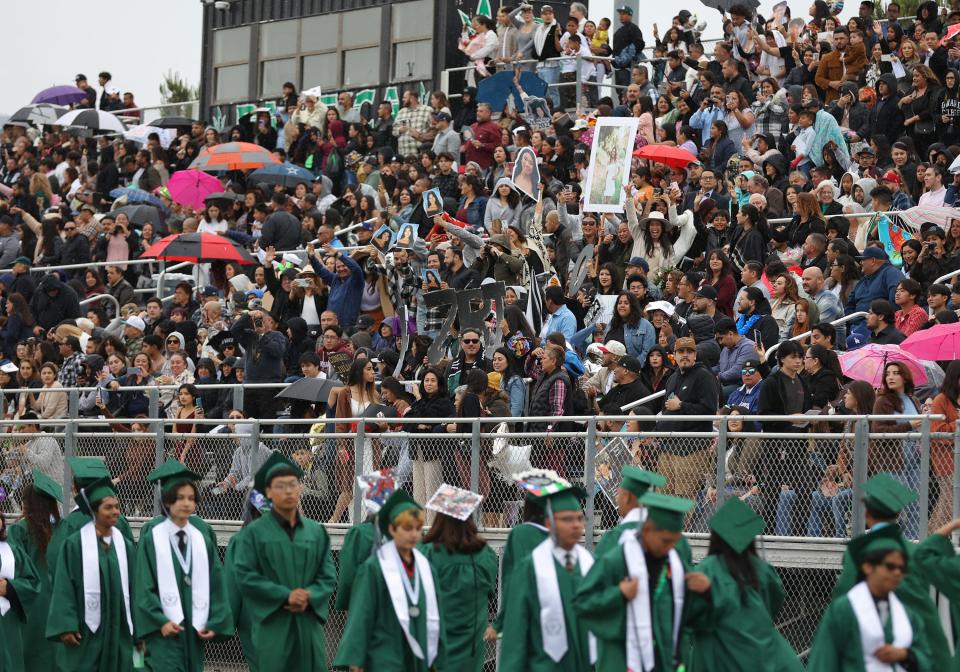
x=92 y=120
x=40 y=114
x=917 y=216
x=233 y=156
x=198 y=247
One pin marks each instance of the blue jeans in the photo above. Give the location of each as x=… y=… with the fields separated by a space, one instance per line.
x=550 y=73
x=838 y=505
x=785 y=502
x=910 y=477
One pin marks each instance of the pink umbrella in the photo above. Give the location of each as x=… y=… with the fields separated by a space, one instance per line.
x=867 y=363
x=938 y=343
x=190 y=187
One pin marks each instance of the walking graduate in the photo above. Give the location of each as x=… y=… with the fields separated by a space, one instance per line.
x=521 y=541
x=634 y=484
x=868 y=627
x=86 y=470
x=942 y=565
x=41 y=516
x=19 y=587
x=633 y=598
x=466 y=568
x=394 y=623
x=180 y=596
x=735 y=621
x=90 y=610
x=363 y=538
x=541 y=630
x=884 y=497
x=285 y=571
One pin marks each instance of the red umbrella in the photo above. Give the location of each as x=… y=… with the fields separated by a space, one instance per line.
x=198 y=247
x=675 y=157
x=233 y=156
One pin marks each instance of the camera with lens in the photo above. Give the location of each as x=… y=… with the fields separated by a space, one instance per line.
x=258 y=322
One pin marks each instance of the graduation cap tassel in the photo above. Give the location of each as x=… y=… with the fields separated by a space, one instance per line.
x=83 y=495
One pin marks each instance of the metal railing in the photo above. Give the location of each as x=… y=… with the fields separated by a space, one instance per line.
x=148 y=113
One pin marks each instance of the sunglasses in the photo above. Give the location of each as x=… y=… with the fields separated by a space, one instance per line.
x=173 y=341
x=471 y=341
x=745 y=372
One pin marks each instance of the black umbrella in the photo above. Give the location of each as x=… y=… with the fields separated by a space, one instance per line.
x=172 y=122
x=314 y=390
x=141 y=214
x=39 y=114
x=725 y=5
x=222 y=196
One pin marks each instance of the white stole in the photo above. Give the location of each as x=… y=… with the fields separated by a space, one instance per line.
x=90 y=556
x=640 y=641
x=553 y=626
x=390 y=565
x=199 y=573
x=8 y=571
x=636 y=515
x=871 y=629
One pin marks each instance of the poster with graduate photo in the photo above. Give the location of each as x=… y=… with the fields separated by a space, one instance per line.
x=431 y=279
x=406 y=237
x=610 y=462
x=383 y=239
x=609 y=168
x=432 y=202
x=526 y=173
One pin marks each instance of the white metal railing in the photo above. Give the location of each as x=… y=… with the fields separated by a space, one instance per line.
x=148 y=113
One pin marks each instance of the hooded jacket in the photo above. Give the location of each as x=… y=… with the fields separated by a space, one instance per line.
x=299 y=343
x=859 y=114
x=886 y=117
x=263 y=353
x=702 y=328
x=699 y=394
x=54 y=302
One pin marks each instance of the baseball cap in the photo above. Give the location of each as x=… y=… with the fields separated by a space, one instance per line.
x=890 y=176
x=752 y=364
x=80 y=78
x=136 y=322
x=662 y=306
x=625 y=10
x=929 y=227
x=875 y=253
x=707 y=292
x=209 y=290
x=639 y=262
x=630 y=363
x=615 y=348
x=546 y=8
x=364 y=322
x=855 y=340
x=685 y=343
x=23 y=260
x=443 y=116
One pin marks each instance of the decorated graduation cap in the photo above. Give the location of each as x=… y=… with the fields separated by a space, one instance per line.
x=666 y=511
x=886 y=495
x=93 y=492
x=276 y=464
x=637 y=481
x=46 y=485
x=376 y=487
x=736 y=523
x=171 y=474
x=87 y=469
x=883 y=538
x=454 y=502
x=398 y=502
x=546 y=488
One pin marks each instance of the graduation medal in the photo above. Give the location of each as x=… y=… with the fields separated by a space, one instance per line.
x=414 y=611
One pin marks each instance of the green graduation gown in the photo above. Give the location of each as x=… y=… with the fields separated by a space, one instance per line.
x=72 y=523
x=603 y=609
x=23 y=590
x=373 y=639
x=940 y=562
x=182 y=652
x=836 y=646
x=466 y=582
x=269 y=564
x=914 y=592
x=522 y=648
x=731 y=631
x=520 y=543
x=35 y=629
x=357 y=547
x=110 y=648
x=241 y=617
x=611 y=539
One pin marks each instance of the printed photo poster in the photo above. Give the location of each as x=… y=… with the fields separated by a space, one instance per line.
x=609 y=169
x=526 y=173
x=431 y=278
x=407 y=236
x=432 y=202
x=601 y=310
x=610 y=462
x=383 y=239
x=537 y=114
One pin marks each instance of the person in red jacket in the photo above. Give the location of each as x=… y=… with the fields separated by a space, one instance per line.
x=486 y=138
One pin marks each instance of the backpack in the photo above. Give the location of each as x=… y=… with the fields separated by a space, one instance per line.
x=333 y=166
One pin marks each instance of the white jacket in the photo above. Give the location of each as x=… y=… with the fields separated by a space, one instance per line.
x=657 y=260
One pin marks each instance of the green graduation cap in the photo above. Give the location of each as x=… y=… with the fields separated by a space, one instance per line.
x=567 y=499
x=93 y=492
x=736 y=523
x=398 y=502
x=87 y=469
x=666 y=511
x=171 y=474
x=886 y=495
x=276 y=463
x=638 y=481
x=46 y=485
x=884 y=538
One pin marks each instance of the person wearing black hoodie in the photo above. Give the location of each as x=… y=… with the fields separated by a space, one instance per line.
x=52 y=303
x=948 y=121
x=702 y=328
x=886 y=117
x=298 y=342
x=467 y=113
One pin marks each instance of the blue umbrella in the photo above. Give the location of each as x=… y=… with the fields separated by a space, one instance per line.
x=286 y=174
x=60 y=95
x=135 y=196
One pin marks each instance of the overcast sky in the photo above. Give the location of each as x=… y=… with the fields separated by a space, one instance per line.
x=49 y=42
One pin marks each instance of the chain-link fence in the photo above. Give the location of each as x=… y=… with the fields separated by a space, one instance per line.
x=802 y=478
